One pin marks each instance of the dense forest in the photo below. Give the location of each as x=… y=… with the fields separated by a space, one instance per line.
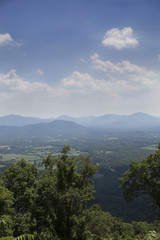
x=58 y=202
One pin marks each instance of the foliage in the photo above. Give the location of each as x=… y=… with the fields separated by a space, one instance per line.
x=143 y=178
x=63 y=193
x=22 y=237
x=58 y=204
x=6 y=201
x=152 y=235
x=19 y=178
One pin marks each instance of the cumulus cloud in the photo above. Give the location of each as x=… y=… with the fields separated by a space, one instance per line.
x=11 y=83
x=119 y=39
x=119 y=67
x=131 y=74
x=78 y=93
x=77 y=80
x=84 y=83
x=6 y=39
x=18 y=96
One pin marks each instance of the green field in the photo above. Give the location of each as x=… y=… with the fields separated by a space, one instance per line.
x=151 y=147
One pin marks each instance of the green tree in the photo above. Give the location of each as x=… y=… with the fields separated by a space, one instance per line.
x=63 y=193
x=143 y=178
x=22 y=237
x=6 y=210
x=20 y=179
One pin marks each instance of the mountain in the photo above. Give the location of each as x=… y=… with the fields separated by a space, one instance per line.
x=16 y=120
x=134 y=121
x=113 y=121
x=56 y=128
x=108 y=121
x=85 y=121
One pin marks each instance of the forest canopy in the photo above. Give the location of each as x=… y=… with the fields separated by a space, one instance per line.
x=143 y=178
x=58 y=203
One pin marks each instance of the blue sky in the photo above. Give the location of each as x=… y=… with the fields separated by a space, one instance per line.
x=80 y=58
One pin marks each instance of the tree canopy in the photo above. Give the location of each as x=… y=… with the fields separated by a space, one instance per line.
x=63 y=193
x=143 y=178
x=57 y=205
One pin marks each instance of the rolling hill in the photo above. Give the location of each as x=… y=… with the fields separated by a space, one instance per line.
x=56 y=128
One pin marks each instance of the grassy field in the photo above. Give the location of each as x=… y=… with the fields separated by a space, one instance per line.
x=151 y=147
x=33 y=154
x=16 y=157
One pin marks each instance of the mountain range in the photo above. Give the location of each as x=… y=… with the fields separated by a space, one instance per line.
x=113 y=121
x=20 y=121
x=104 y=121
x=15 y=125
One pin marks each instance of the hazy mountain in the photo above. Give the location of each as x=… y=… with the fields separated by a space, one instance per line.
x=134 y=121
x=16 y=120
x=65 y=123
x=56 y=128
x=85 y=121
x=113 y=121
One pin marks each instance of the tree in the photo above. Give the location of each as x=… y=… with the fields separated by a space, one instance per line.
x=22 y=237
x=63 y=193
x=143 y=178
x=19 y=178
x=6 y=202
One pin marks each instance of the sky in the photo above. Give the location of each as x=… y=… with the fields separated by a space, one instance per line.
x=79 y=57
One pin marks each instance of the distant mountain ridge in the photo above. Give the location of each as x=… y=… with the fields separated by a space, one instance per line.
x=113 y=121
x=56 y=128
x=20 y=121
x=107 y=121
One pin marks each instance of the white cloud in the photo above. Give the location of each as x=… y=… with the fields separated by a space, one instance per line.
x=77 y=80
x=132 y=74
x=119 y=39
x=18 y=96
x=119 y=93
x=6 y=39
x=39 y=71
x=85 y=84
x=11 y=83
x=79 y=93
x=119 y=67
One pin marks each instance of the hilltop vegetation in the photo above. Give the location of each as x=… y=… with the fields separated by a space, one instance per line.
x=55 y=206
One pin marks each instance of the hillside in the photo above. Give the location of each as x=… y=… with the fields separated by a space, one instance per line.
x=56 y=128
